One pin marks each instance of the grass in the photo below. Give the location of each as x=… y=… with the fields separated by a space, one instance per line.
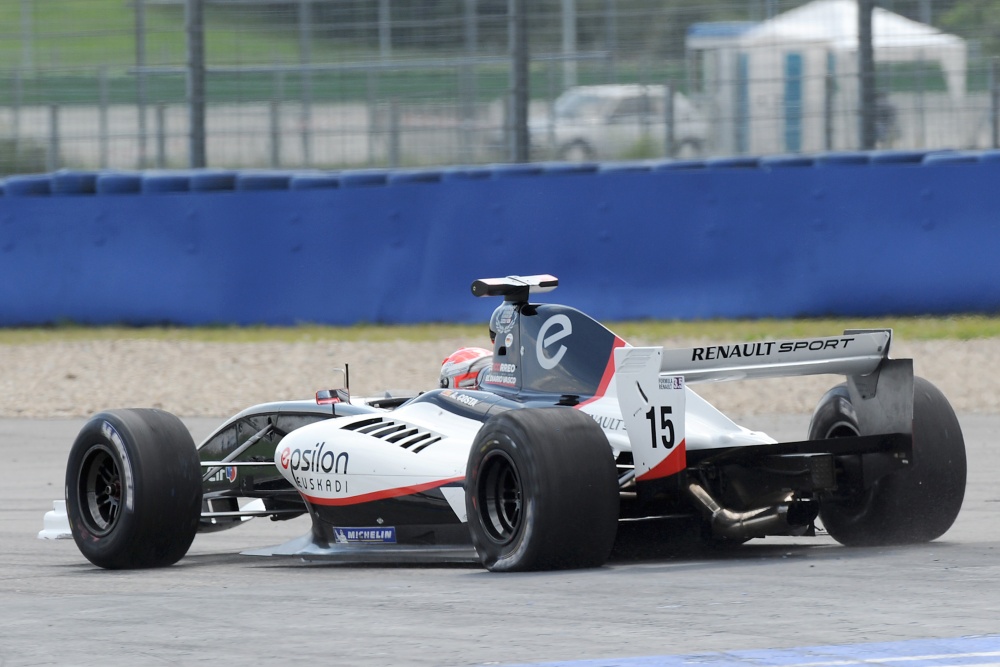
x=965 y=327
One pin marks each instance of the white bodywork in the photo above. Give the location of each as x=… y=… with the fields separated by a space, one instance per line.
x=647 y=409
x=330 y=464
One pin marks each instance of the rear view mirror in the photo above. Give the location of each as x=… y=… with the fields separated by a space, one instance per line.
x=339 y=395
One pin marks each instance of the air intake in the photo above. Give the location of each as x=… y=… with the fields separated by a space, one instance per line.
x=408 y=437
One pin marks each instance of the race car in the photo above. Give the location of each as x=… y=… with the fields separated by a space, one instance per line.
x=571 y=434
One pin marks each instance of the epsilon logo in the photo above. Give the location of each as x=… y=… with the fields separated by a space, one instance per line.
x=286 y=456
x=562 y=328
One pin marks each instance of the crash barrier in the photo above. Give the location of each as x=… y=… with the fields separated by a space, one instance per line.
x=850 y=234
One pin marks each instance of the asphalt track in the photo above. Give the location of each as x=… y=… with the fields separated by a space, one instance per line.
x=802 y=601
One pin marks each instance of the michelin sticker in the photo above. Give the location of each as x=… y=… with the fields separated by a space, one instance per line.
x=380 y=535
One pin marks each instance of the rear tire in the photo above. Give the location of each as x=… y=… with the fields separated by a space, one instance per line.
x=916 y=504
x=133 y=489
x=542 y=491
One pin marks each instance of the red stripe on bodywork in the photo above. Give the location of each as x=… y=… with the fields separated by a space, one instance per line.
x=673 y=464
x=381 y=495
x=609 y=372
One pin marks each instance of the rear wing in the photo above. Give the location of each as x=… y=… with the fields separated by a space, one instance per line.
x=857 y=352
x=651 y=381
x=881 y=388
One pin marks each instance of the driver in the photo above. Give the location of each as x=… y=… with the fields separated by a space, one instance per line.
x=462 y=368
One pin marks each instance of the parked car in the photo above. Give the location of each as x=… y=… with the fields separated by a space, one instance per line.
x=618 y=121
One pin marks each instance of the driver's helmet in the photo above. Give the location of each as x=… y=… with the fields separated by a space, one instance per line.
x=462 y=368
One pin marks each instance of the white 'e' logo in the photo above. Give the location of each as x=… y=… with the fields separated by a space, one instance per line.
x=565 y=329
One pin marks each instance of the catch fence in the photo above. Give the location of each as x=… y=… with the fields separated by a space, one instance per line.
x=331 y=84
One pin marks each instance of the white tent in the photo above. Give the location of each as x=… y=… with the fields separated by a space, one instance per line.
x=833 y=25
x=790 y=83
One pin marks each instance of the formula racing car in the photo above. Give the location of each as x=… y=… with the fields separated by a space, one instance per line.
x=571 y=434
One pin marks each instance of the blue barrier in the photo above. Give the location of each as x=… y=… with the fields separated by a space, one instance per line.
x=314 y=181
x=27 y=186
x=158 y=182
x=211 y=180
x=263 y=180
x=363 y=178
x=112 y=183
x=74 y=183
x=850 y=234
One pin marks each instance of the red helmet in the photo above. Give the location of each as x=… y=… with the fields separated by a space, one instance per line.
x=462 y=368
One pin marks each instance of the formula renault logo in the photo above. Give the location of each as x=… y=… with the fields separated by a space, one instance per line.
x=561 y=327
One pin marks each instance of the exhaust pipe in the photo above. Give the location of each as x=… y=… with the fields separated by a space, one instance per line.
x=759 y=522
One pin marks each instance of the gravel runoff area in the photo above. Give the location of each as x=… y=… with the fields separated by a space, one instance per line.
x=190 y=379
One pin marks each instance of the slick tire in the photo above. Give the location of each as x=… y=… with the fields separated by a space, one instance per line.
x=542 y=491
x=133 y=489
x=916 y=504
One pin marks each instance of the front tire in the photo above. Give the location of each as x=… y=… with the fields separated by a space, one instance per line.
x=133 y=489
x=916 y=504
x=542 y=491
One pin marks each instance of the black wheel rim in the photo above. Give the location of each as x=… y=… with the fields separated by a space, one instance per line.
x=856 y=505
x=841 y=429
x=100 y=492
x=500 y=497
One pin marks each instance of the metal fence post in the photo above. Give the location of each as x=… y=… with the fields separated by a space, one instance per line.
x=373 y=120
x=52 y=157
x=668 y=119
x=866 y=75
x=140 y=77
x=161 y=136
x=102 y=117
x=829 y=91
x=394 y=138
x=610 y=37
x=27 y=37
x=569 y=43
x=995 y=102
x=305 y=77
x=194 y=23
x=16 y=121
x=552 y=150
x=518 y=35
x=468 y=83
x=384 y=30
x=921 y=104
x=274 y=123
x=275 y=117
